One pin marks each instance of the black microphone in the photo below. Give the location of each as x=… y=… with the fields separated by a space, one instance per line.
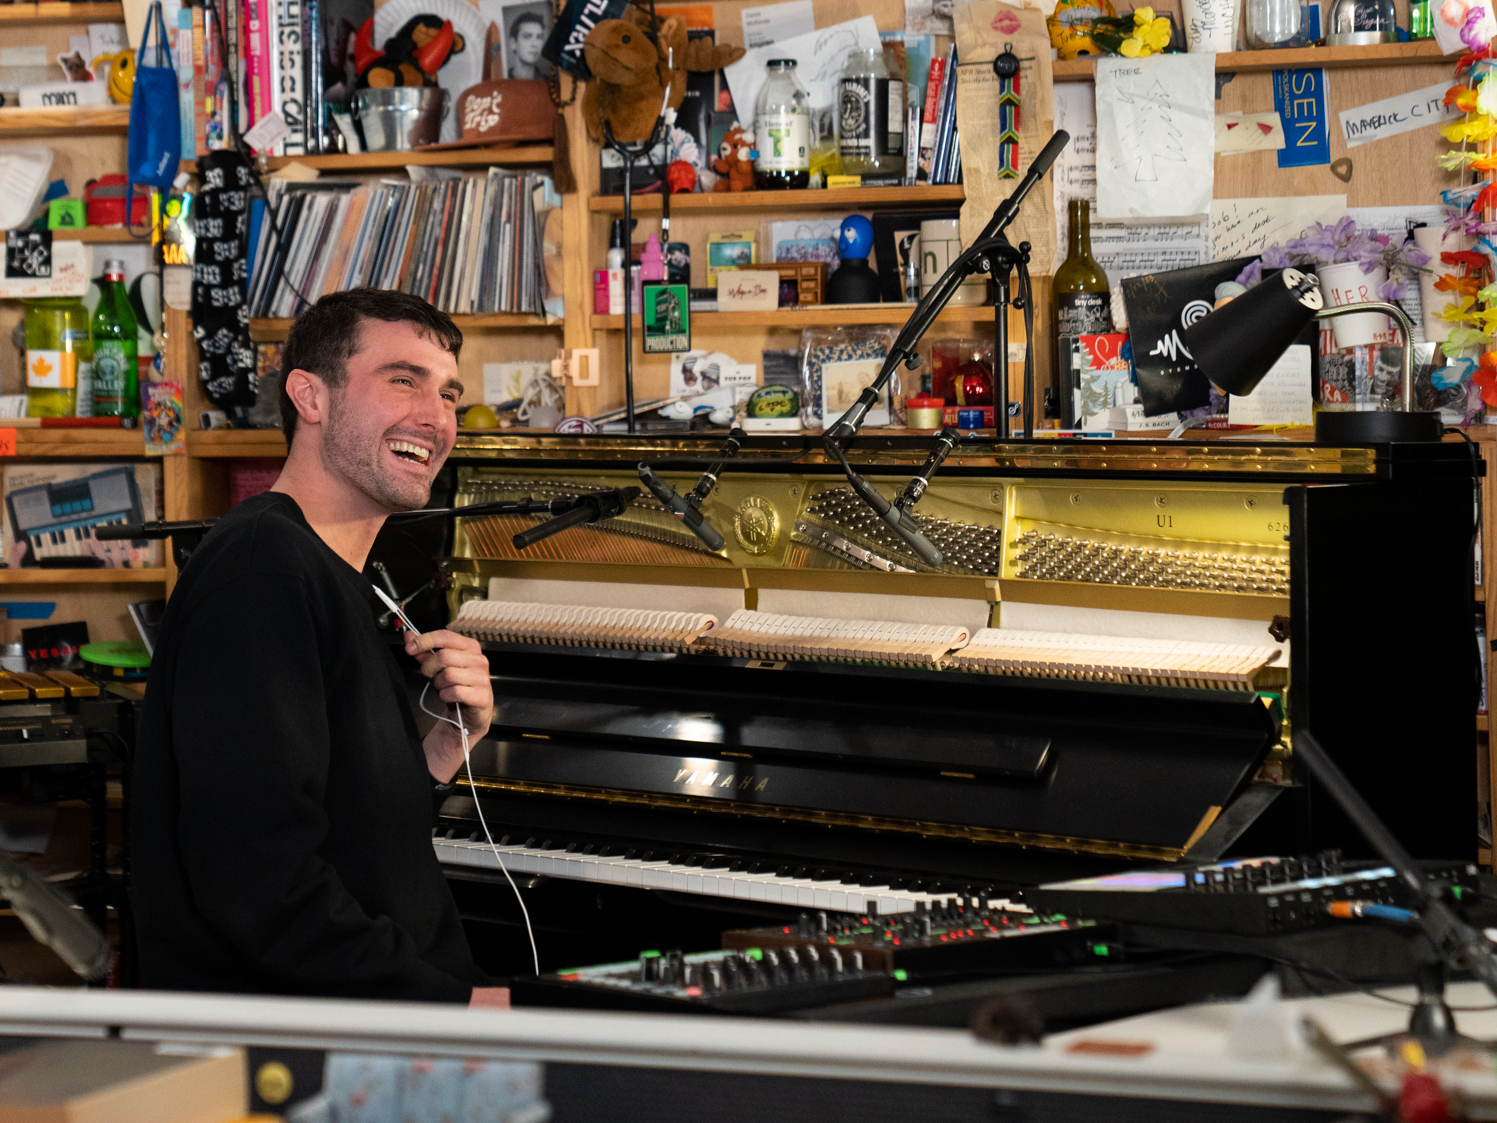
x=1037 y=169
x=53 y=921
x=590 y=508
x=902 y=524
x=681 y=508
x=704 y=486
x=946 y=440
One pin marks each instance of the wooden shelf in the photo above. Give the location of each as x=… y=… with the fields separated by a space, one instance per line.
x=446 y=158
x=1334 y=58
x=78 y=120
x=811 y=315
x=100 y=235
x=272 y=331
x=1481 y=594
x=22 y=14
x=74 y=443
x=82 y=576
x=217 y=443
x=842 y=198
x=1484 y=856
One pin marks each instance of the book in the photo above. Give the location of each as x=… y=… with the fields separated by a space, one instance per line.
x=215 y=83
x=181 y=42
x=945 y=121
x=928 y=117
x=258 y=101
x=290 y=76
x=199 y=86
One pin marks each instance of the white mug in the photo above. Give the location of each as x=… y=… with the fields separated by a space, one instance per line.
x=1210 y=26
x=1344 y=282
x=940 y=245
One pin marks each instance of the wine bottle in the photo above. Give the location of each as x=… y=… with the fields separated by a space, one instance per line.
x=1082 y=306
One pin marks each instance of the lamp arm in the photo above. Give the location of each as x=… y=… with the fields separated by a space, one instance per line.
x=1388 y=308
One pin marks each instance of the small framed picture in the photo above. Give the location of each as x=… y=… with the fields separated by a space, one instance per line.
x=523 y=29
x=667 y=318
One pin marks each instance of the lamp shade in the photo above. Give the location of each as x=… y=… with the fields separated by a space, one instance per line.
x=1238 y=344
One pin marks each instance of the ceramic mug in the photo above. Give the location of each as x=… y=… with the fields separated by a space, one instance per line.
x=1344 y=282
x=940 y=245
x=1434 y=241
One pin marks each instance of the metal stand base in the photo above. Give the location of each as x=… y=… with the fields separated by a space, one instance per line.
x=1376 y=428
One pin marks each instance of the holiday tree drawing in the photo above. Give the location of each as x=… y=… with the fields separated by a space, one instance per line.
x=1149 y=133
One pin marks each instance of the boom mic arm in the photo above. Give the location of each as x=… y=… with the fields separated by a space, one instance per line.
x=595 y=506
x=682 y=507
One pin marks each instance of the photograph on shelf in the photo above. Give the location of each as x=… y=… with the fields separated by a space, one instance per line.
x=667 y=319
x=523 y=30
x=51 y=511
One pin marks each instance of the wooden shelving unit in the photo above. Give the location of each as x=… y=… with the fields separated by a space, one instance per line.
x=1331 y=58
x=82 y=576
x=814 y=315
x=75 y=443
x=272 y=331
x=446 y=158
x=230 y=443
x=20 y=15
x=80 y=120
x=844 y=198
x=99 y=236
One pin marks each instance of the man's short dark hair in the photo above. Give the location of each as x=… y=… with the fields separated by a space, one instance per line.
x=326 y=336
x=526 y=17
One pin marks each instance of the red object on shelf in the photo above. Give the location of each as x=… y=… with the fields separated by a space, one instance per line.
x=105 y=203
x=974 y=384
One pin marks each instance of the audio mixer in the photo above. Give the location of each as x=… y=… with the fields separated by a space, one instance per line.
x=953 y=936
x=750 y=981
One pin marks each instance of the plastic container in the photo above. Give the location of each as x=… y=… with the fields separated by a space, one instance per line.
x=115 y=658
x=58 y=354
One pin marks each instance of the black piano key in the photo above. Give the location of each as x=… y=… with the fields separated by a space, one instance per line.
x=573 y=847
x=591 y=848
x=607 y=851
x=548 y=844
x=507 y=840
x=530 y=843
x=718 y=862
x=631 y=854
x=739 y=865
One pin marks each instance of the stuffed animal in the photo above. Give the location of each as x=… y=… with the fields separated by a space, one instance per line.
x=735 y=162
x=632 y=70
x=412 y=56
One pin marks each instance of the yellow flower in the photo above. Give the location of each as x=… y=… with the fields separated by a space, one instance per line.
x=1132 y=48
x=1156 y=34
x=1460 y=312
x=1143 y=16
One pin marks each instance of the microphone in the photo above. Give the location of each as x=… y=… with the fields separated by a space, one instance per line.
x=1009 y=208
x=946 y=440
x=682 y=508
x=53 y=921
x=590 y=508
x=902 y=524
x=704 y=486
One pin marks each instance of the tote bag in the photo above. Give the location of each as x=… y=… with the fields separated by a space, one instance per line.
x=155 y=145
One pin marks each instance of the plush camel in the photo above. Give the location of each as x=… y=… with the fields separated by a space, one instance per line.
x=631 y=72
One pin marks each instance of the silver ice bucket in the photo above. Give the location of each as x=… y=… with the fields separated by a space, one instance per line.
x=401 y=118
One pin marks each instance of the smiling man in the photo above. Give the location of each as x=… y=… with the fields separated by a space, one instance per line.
x=283 y=800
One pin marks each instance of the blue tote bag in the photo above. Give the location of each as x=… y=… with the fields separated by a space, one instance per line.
x=155 y=145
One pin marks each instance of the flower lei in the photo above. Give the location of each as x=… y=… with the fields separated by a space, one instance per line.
x=1345 y=241
x=1472 y=305
x=1136 y=36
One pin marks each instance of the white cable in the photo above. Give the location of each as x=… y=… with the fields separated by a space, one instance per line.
x=462 y=729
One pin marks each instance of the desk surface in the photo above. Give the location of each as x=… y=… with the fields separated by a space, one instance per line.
x=1180 y=1054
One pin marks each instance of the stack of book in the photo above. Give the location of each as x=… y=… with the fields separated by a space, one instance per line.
x=467 y=244
x=940 y=159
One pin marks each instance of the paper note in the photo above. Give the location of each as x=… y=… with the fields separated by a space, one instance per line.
x=983 y=28
x=1452 y=16
x=1402 y=114
x=1248 y=132
x=774 y=23
x=1284 y=397
x=1155 y=124
x=820 y=57
x=1245 y=226
x=1299 y=96
x=7 y=442
x=748 y=290
x=1123 y=249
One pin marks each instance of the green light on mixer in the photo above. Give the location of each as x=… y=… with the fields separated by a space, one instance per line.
x=754 y=953
x=900 y=974
x=1101 y=949
x=649 y=955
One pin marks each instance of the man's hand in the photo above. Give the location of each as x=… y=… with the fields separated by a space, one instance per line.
x=495 y=998
x=459 y=672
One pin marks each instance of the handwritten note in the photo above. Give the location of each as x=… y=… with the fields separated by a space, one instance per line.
x=1398 y=223
x=748 y=290
x=1155 y=123
x=1402 y=114
x=772 y=23
x=1284 y=397
x=819 y=56
x=1123 y=249
x=1248 y=132
x=1245 y=226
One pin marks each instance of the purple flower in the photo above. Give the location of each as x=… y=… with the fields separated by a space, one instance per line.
x=1469 y=33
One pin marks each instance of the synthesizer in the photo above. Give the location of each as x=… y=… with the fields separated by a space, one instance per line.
x=56 y=519
x=1245 y=897
x=750 y=981
x=959 y=935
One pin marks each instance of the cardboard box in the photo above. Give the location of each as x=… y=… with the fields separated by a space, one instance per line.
x=121 y=1082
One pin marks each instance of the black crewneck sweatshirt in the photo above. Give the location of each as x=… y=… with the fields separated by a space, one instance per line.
x=282 y=809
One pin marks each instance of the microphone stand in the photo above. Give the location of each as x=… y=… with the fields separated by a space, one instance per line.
x=991 y=253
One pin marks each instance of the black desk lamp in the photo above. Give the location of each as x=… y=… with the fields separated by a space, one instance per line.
x=1237 y=344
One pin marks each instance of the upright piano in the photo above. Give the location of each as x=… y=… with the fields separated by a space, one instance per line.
x=633 y=772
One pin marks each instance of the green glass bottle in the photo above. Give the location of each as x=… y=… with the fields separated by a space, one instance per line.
x=116 y=377
x=1421 y=20
x=1082 y=304
x=57 y=354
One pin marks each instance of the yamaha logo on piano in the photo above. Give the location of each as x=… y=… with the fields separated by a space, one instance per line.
x=722 y=781
x=756 y=525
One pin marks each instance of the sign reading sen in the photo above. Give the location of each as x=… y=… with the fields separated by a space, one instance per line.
x=1300 y=98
